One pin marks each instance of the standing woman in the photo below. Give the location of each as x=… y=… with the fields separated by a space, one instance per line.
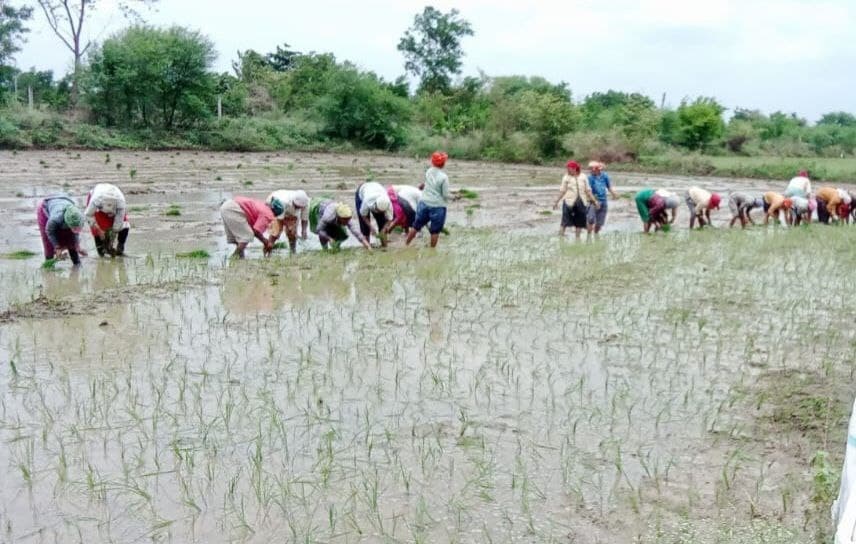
x=246 y=218
x=576 y=197
x=800 y=185
x=60 y=221
x=431 y=209
x=600 y=184
x=373 y=201
x=106 y=212
x=295 y=206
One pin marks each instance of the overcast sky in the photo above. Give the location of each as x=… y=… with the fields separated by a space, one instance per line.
x=767 y=54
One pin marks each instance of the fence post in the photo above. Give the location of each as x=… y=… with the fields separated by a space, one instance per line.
x=219 y=107
x=30 y=97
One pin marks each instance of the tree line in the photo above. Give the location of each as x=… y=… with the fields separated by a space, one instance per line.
x=156 y=86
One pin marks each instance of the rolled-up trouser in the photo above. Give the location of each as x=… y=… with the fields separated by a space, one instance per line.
x=238 y=229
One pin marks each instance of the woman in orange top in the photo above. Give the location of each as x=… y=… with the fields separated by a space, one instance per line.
x=773 y=204
x=828 y=204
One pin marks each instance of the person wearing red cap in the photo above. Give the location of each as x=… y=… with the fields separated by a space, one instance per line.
x=800 y=185
x=700 y=202
x=431 y=209
x=576 y=197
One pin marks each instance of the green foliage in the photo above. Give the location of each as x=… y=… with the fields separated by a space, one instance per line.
x=432 y=48
x=699 y=123
x=21 y=254
x=147 y=77
x=195 y=254
x=12 y=29
x=358 y=107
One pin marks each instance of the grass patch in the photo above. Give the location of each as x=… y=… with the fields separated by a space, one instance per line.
x=195 y=254
x=174 y=210
x=468 y=194
x=20 y=254
x=49 y=264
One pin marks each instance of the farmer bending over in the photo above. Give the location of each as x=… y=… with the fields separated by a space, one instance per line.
x=741 y=204
x=700 y=202
x=373 y=201
x=247 y=218
x=295 y=206
x=60 y=221
x=405 y=199
x=329 y=219
x=831 y=202
x=652 y=209
x=673 y=202
x=107 y=214
x=776 y=205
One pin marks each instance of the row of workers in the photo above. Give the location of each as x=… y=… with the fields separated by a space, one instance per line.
x=379 y=210
x=584 y=200
x=797 y=205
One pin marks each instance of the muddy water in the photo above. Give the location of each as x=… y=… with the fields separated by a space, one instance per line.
x=508 y=387
x=514 y=197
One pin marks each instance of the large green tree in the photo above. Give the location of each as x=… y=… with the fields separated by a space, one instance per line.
x=12 y=30
x=152 y=77
x=68 y=18
x=699 y=122
x=432 y=48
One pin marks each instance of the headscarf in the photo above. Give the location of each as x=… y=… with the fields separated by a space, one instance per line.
x=72 y=217
x=438 y=159
x=715 y=199
x=787 y=203
x=277 y=207
x=573 y=165
x=382 y=204
x=343 y=211
x=300 y=199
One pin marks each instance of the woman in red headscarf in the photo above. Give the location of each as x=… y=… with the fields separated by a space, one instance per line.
x=576 y=197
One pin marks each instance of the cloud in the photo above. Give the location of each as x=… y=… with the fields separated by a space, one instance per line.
x=755 y=53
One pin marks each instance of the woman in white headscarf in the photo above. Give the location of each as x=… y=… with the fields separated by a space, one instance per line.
x=108 y=219
x=295 y=206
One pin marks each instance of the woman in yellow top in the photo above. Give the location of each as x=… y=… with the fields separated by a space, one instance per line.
x=775 y=203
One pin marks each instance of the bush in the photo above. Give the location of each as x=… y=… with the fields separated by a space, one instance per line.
x=360 y=108
x=257 y=134
x=11 y=137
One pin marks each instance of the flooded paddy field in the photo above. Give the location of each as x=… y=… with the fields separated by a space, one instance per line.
x=507 y=387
